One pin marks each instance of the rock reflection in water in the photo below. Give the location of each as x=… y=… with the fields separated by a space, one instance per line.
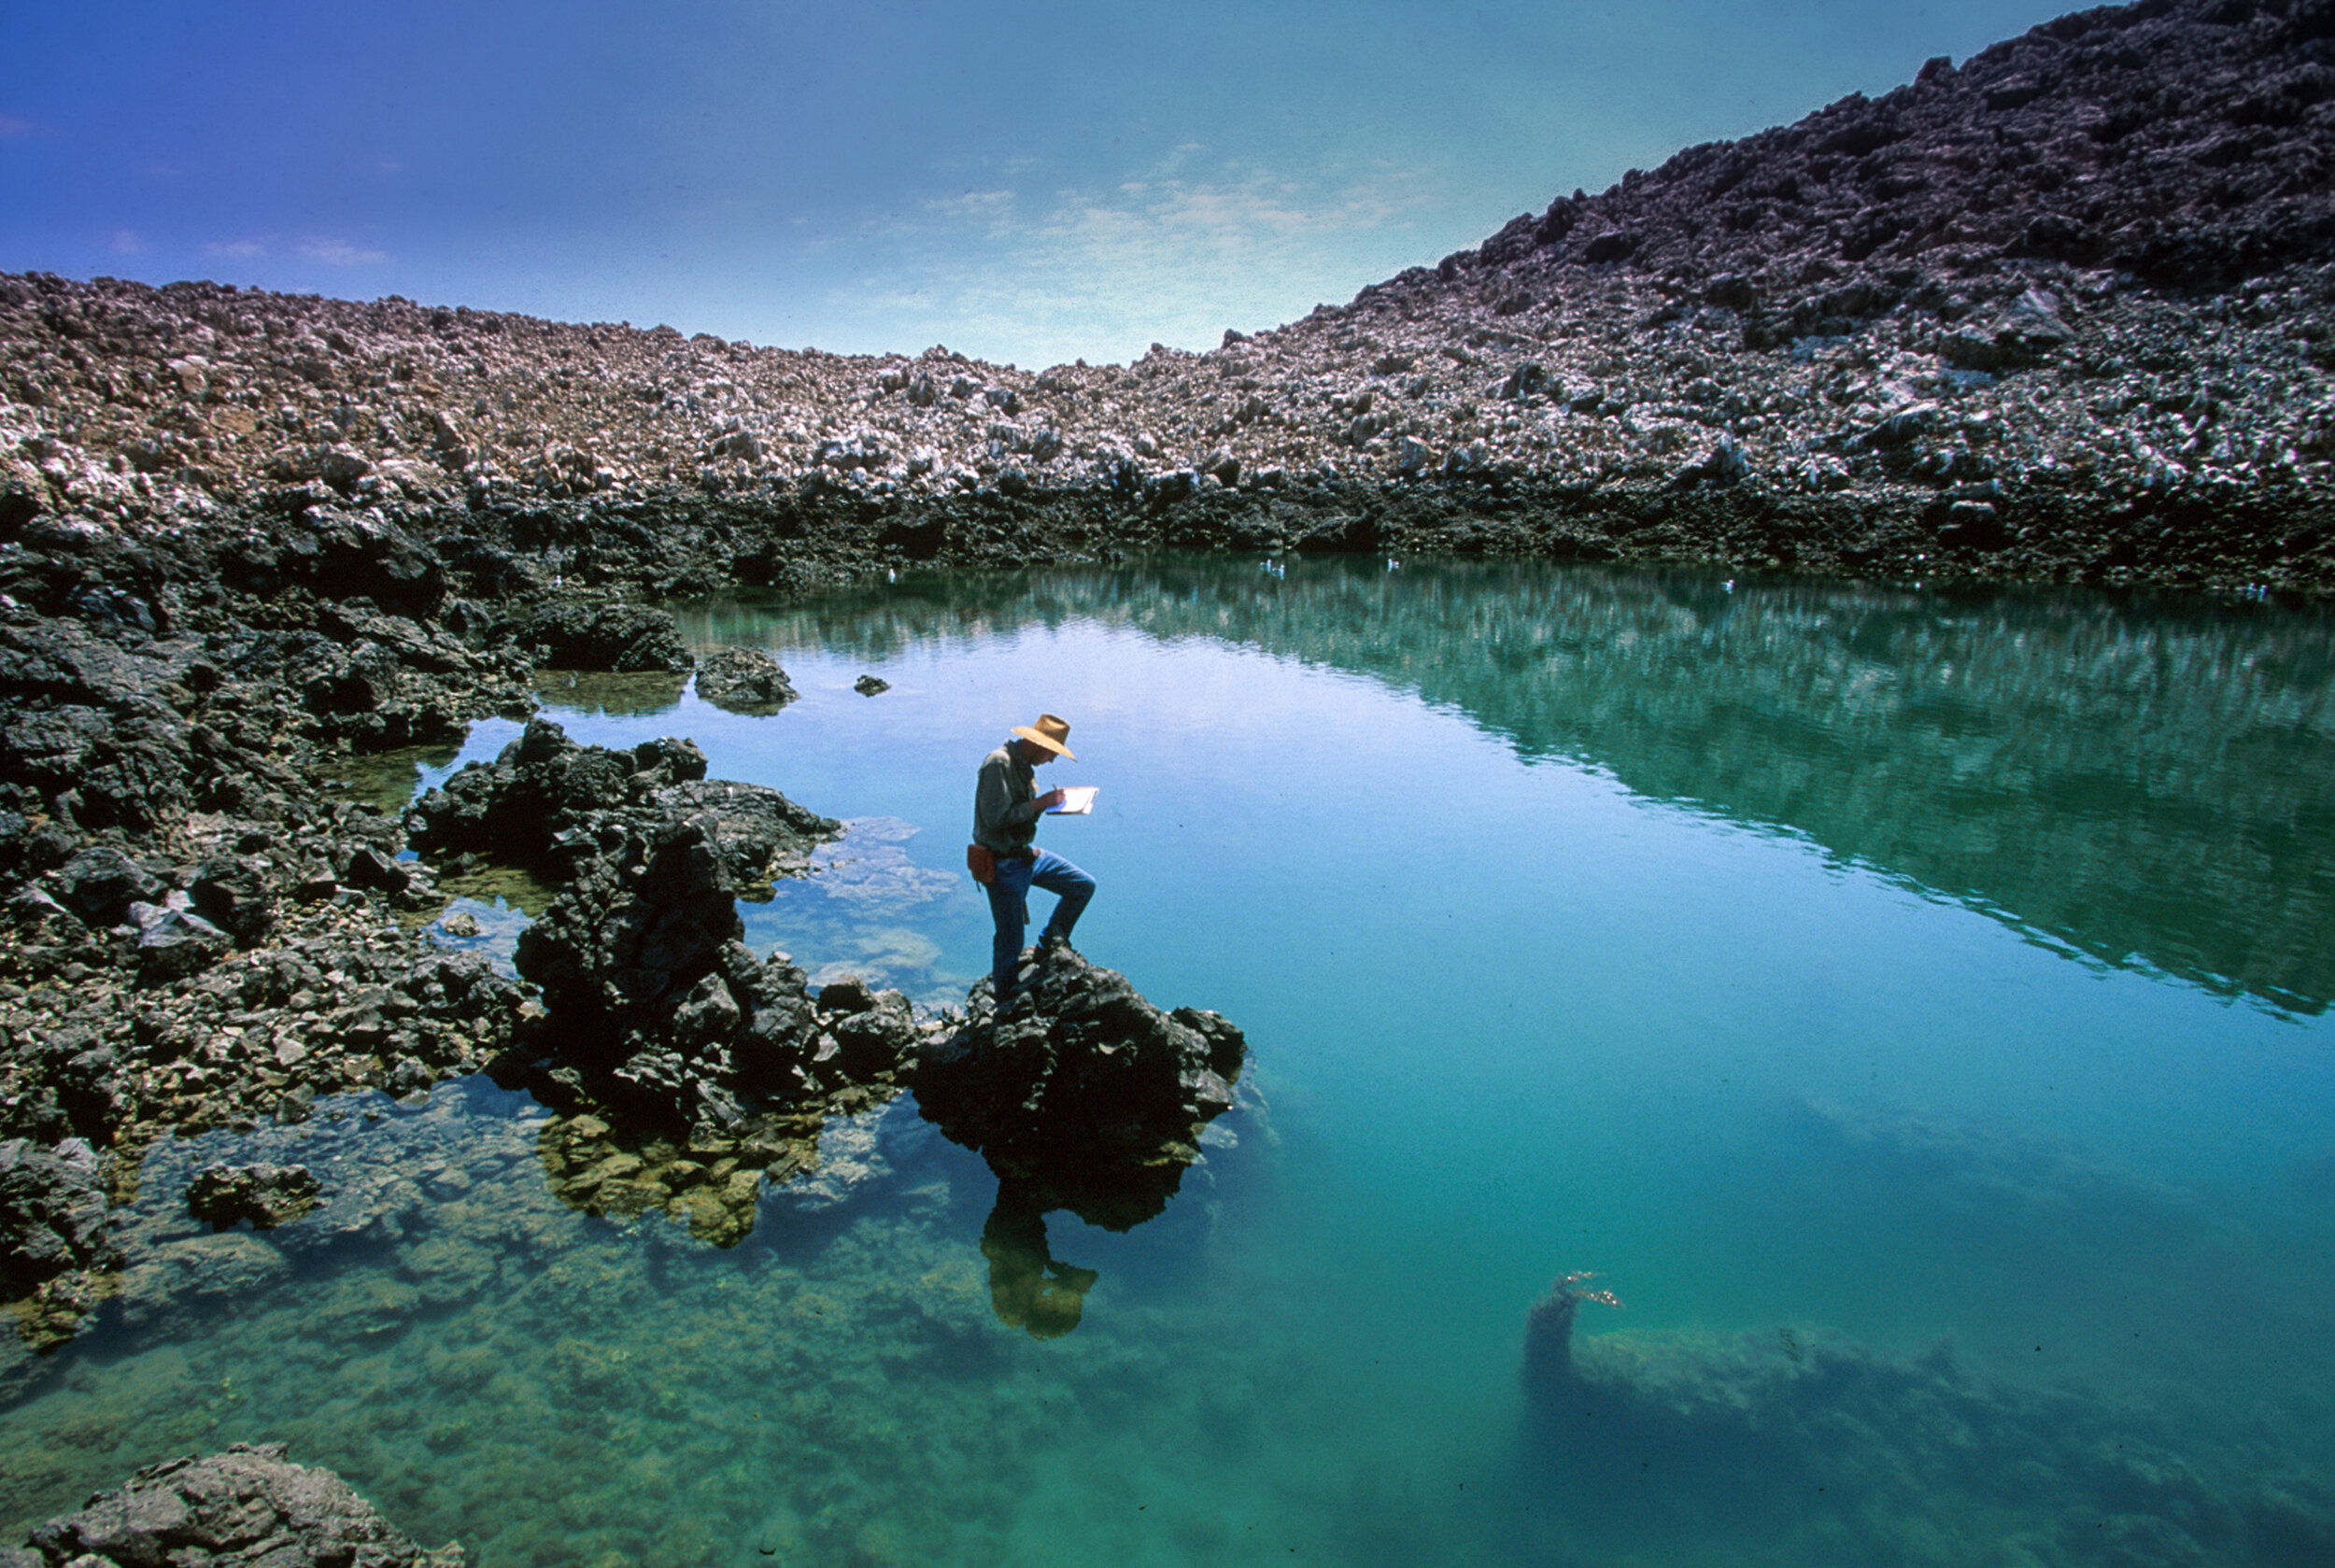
x=2147 y=781
x=1028 y=1287
x=594 y=691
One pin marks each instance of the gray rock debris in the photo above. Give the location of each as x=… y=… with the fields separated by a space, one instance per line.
x=248 y=1508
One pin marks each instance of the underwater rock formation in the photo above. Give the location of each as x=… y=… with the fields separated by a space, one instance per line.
x=1081 y=1094
x=1549 y=1336
x=248 y=1508
x=696 y=1134
x=268 y=1195
x=1839 y=1452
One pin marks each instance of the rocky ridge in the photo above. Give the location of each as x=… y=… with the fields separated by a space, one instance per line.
x=2065 y=311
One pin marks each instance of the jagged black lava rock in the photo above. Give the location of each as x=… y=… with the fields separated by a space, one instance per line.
x=1081 y=1094
x=656 y=1010
x=744 y=681
x=627 y=639
x=52 y=1214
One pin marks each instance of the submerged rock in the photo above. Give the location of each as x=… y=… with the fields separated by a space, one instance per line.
x=1547 y=1371
x=265 y=1194
x=1829 y=1450
x=248 y=1508
x=1081 y=1095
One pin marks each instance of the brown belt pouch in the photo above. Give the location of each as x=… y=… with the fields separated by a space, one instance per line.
x=982 y=863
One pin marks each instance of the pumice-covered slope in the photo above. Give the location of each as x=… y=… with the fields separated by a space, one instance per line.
x=2061 y=311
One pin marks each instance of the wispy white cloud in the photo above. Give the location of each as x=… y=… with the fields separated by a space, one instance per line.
x=11 y=126
x=993 y=208
x=236 y=247
x=126 y=242
x=338 y=252
x=1175 y=253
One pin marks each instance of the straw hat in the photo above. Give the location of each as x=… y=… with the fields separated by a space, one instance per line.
x=1049 y=732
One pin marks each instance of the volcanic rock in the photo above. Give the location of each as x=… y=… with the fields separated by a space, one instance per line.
x=744 y=681
x=247 y=1507
x=265 y=1194
x=627 y=639
x=657 y=1012
x=52 y=1214
x=1081 y=1094
x=2104 y=250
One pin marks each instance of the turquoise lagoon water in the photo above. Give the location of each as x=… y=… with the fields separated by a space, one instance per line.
x=1913 y=1007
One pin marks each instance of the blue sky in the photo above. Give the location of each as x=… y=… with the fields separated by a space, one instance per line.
x=1027 y=180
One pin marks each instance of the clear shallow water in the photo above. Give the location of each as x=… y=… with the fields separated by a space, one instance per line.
x=1839 y=972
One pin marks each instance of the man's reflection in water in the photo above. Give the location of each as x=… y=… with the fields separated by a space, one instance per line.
x=1028 y=1289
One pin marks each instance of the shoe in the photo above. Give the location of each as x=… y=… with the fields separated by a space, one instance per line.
x=1053 y=942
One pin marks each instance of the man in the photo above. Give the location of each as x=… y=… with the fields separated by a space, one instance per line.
x=1006 y=809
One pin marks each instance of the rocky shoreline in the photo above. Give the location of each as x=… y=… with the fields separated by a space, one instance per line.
x=2064 y=313
x=246 y=1505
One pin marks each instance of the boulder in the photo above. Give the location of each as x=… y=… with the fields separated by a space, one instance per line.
x=248 y=1508
x=623 y=637
x=101 y=884
x=744 y=681
x=173 y=944
x=233 y=893
x=1081 y=1093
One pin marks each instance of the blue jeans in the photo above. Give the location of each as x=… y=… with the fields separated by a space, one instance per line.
x=1009 y=906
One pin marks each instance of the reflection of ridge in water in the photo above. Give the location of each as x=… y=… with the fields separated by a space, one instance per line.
x=2145 y=783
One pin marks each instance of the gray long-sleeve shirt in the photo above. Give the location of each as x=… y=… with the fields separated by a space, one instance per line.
x=1005 y=804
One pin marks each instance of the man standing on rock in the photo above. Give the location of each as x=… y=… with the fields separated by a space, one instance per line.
x=1006 y=809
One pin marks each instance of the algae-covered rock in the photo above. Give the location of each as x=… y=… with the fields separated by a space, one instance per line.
x=268 y=1195
x=52 y=1212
